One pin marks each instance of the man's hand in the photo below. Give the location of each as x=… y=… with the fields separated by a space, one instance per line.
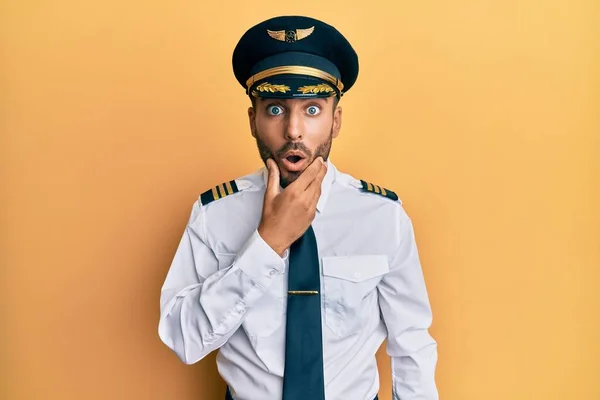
x=287 y=214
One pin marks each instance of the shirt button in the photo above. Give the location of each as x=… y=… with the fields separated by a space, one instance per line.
x=272 y=272
x=357 y=275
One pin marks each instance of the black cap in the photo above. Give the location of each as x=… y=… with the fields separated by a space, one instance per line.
x=294 y=57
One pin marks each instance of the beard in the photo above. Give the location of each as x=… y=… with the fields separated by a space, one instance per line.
x=265 y=152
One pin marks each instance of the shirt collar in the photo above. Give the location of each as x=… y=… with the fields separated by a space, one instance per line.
x=326 y=185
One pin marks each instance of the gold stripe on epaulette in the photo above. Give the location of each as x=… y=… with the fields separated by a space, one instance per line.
x=229 y=188
x=218 y=192
x=372 y=188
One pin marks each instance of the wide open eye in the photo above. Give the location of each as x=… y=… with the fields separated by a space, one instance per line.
x=313 y=110
x=274 y=110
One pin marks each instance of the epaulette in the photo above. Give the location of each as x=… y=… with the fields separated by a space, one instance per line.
x=371 y=188
x=218 y=192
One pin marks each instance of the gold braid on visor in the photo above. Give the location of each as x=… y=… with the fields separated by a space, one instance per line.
x=295 y=70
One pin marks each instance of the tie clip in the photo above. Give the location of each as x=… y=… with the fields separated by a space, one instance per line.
x=303 y=292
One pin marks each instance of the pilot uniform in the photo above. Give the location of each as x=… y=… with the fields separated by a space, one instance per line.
x=305 y=325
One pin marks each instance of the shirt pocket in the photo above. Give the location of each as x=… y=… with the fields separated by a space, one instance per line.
x=349 y=290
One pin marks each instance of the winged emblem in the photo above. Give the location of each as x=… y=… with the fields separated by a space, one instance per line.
x=291 y=36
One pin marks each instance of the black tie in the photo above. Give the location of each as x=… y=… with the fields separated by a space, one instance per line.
x=303 y=376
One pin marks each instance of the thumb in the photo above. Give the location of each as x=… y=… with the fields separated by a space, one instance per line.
x=273 y=181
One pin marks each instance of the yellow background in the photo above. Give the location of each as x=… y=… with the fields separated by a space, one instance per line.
x=482 y=115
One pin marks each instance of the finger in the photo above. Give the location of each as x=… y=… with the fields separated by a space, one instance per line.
x=273 y=180
x=309 y=174
x=315 y=193
x=315 y=185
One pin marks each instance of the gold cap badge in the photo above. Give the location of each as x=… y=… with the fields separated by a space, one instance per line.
x=291 y=36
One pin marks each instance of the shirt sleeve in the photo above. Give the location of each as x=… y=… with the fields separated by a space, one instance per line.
x=201 y=306
x=407 y=315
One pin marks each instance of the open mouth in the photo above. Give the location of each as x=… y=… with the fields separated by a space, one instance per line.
x=294 y=161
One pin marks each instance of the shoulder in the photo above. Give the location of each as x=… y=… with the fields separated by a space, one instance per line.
x=375 y=206
x=219 y=191
x=370 y=190
x=224 y=197
x=230 y=189
x=373 y=188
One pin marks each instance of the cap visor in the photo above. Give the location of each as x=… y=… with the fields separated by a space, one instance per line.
x=293 y=86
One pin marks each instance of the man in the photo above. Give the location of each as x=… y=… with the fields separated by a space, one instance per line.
x=298 y=272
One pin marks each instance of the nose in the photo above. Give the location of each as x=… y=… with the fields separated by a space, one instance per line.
x=295 y=128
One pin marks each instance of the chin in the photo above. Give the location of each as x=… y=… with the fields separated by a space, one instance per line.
x=285 y=179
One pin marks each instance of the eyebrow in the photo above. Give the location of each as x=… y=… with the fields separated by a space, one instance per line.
x=269 y=102
x=285 y=102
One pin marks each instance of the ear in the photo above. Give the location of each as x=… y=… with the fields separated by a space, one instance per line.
x=337 y=121
x=251 y=121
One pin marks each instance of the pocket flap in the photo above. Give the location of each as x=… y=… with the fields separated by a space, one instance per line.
x=355 y=268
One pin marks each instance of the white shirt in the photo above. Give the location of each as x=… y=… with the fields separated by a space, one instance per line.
x=226 y=290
